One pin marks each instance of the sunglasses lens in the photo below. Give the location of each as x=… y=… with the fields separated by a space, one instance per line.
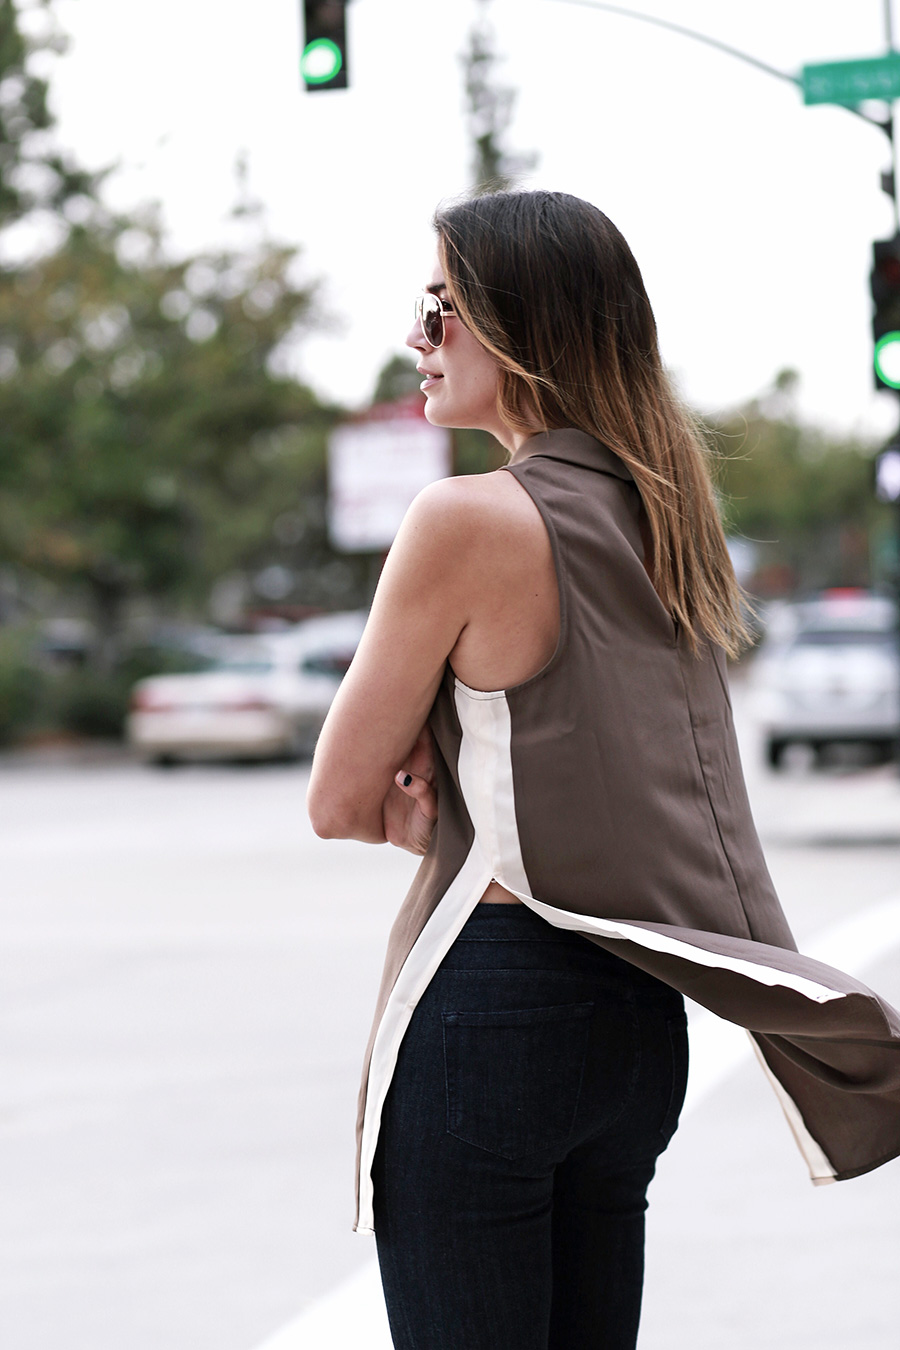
x=432 y=320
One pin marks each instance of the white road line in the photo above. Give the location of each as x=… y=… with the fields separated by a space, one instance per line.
x=350 y=1316
x=353 y=1314
x=717 y=1047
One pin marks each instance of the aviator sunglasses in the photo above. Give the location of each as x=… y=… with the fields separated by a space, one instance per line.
x=431 y=311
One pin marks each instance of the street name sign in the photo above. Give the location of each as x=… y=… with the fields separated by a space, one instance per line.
x=850 y=82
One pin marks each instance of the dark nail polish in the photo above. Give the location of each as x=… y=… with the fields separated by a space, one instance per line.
x=407 y=780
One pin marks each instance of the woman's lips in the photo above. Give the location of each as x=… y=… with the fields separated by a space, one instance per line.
x=429 y=381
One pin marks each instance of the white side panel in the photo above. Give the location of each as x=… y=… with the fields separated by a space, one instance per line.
x=820 y=1169
x=431 y=946
x=490 y=797
x=485 y=776
x=661 y=942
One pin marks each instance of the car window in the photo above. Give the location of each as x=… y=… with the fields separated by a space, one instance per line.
x=844 y=637
x=237 y=666
x=326 y=663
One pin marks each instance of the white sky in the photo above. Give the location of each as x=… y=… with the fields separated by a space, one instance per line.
x=751 y=216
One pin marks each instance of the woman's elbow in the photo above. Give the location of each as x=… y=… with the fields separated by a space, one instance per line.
x=325 y=817
x=323 y=805
x=334 y=818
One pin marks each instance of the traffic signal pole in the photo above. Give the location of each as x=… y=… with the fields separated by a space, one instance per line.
x=888 y=485
x=889 y=124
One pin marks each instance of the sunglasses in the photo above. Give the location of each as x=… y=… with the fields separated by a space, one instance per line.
x=431 y=311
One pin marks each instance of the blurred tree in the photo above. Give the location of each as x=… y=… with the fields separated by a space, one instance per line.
x=804 y=497
x=397 y=378
x=489 y=112
x=35 y=176
x=477 y=451
x=151 y=439
x=147 y=442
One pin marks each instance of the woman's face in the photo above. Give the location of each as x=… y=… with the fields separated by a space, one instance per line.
x=461 y=376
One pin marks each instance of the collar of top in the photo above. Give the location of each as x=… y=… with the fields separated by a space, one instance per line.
x=572 y=447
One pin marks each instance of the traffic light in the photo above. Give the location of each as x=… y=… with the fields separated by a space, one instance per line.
x=885 y=280
x=323 y=64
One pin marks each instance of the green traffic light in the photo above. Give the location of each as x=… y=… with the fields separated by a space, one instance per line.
x=321 y=61
x=887 y=359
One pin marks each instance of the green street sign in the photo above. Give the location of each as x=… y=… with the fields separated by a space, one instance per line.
x=849 y=82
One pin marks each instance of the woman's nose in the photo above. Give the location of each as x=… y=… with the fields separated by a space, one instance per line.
x=416 y=338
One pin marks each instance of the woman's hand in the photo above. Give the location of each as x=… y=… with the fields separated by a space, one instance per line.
x=410 y=807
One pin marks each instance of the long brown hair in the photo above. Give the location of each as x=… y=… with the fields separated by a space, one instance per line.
x=547 y=283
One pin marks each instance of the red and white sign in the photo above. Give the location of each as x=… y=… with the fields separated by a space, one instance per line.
x=377 y=464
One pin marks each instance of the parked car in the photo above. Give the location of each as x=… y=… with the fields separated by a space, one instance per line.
x=828 y=673
x=260 y=697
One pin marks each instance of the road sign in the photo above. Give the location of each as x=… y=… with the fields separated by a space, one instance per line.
x=850 y=82
x=376 y=465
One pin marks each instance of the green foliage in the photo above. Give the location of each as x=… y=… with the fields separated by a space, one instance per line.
x=145 y=439
x=89 y=702
x=151 y=439
x=94 y=702
x=32 y=175
x=804 y=496
x=397 y=378
x=477 y=452
x=20 y=683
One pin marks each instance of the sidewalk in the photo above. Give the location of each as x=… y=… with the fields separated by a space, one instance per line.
x=832 y=810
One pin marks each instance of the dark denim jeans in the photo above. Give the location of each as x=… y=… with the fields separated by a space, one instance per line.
x=537 y=1084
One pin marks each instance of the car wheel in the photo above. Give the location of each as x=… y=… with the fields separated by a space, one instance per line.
x=775 y=753
x=823 y=754
x=166 y=762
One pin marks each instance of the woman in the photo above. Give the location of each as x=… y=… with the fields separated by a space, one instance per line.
x=539 y=706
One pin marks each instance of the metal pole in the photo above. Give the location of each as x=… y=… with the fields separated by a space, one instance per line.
x=889 y=124
x=889 y=128
x=896 y=588
x=721 y=47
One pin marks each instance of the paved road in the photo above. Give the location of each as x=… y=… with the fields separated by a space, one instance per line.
x=186 y=981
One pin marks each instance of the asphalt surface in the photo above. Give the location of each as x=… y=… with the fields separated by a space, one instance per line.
x=186 y=982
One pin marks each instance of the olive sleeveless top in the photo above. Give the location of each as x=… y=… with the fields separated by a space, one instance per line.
x=606 y=793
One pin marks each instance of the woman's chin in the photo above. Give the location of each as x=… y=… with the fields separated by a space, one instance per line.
x=433 y=414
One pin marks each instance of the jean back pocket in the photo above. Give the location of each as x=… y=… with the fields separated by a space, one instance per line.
x=514 y=1076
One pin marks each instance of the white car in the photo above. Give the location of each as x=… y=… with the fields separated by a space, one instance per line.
x=828 y=673
x=261 y=697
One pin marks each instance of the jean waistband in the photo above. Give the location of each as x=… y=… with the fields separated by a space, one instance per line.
x=518 y=923
x=532 y=939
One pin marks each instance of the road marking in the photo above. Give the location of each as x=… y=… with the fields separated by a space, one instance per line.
x=353 y=1313
x=350 y=1316
x=717 y=1047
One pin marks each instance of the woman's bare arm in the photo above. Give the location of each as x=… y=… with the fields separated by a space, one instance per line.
x=470 y=574
x=374 y=726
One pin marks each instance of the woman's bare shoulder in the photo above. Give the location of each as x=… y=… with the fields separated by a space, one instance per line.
x=478 y=507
